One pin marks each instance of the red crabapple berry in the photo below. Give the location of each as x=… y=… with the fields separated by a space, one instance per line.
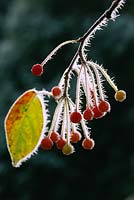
x=54 y=136
x=56 y=91
x=120 y=95
x=37 y=70
x=75 y=137
x=88 y=114
x=75 y=117
x=46 y=143
x=97 y=113
x=67 y=149
x=88 y=143
x=60 y=143
x=104 y=106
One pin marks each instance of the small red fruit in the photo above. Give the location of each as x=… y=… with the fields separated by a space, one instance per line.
x=54 y=136
x=88 y=114
x=75 y=117
x=88 y=143
x=104 y=106
x=75 y=137
x=60 y=143
x=46 y=143
x=37 y=70
x=97 y=113
x=56 y=91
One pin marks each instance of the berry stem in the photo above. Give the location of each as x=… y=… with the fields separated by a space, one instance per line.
x=68 y=130
x=109 y=80
x=85 y=129
x=45 y=93
x=84 y=62
x=54 y=51
x=64 y=122
x=78 y=90
x=87 y=92
x=88 y=89
x=56 y=117
x=98 y=79
x=94 y=85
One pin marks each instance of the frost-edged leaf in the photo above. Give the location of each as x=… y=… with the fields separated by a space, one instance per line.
x=24 y=126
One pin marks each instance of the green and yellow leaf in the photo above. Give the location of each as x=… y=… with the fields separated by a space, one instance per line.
x=24 y=126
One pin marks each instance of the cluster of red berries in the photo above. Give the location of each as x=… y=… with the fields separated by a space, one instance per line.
x=90 y=113
x=48 y=142
x=61 y=144
x=94 y=111
x=68 y=114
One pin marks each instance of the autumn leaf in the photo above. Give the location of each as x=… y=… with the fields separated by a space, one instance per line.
x=25 y=124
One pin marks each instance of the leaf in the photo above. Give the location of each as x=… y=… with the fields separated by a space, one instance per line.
x=24 y=126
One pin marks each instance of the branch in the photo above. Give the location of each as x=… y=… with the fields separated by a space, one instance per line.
x=109 y=14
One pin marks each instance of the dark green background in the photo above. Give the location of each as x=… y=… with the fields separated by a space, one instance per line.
x=29 y=29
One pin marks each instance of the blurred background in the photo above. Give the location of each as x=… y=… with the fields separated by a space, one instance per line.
x=29 y=29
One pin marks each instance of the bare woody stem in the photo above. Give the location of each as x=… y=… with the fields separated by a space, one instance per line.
x=79 y=54
x=66 y=77
x=106 y=15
